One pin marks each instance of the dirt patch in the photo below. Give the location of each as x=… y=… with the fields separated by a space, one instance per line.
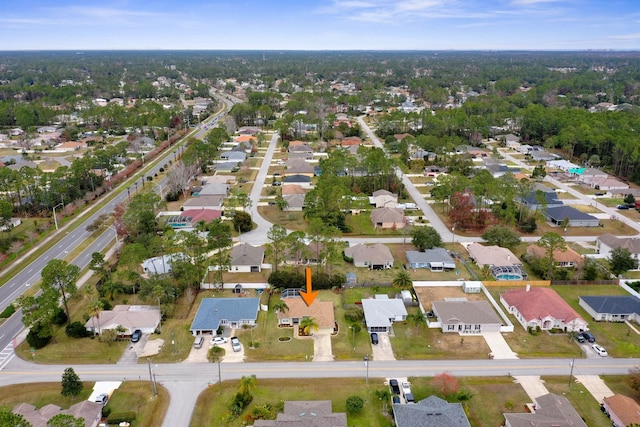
x=431 y=293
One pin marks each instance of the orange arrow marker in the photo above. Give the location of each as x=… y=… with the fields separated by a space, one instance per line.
x=309 y=296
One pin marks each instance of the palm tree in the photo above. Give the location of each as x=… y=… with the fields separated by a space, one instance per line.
x=247 y=384
x=280 y=306
x=403 y=280
x=308 y=325
x=95 y=306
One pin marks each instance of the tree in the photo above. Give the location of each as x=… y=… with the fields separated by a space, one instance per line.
x=355 y=404
x=445 y=383
x=9 y=419
x=277 y=234
x=98 y=265
x=308 y=325
x=6 y=212
x=95 y=307
x=501 y=236
x=60 y=277
x=247 y=384
x=402 y=280
x=538 y=173
x=621 y=261
x=71 y=384
x=65 y=420
x=630 y=199
x=242 y=221
x=551 y=242
x=426 y=238
x=280 y=306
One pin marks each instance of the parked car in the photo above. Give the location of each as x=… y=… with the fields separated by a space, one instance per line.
x=102 y=399
x=600 y=350
x=198 y=341
x=137 y=334
x=235 y=344
x=406 y=388
x=580 y=338
x=374 y=338
x=395 y=387
x=395 y=400
x=409 y=398
x=622 y=207
x=588 y=336
x=219 y=340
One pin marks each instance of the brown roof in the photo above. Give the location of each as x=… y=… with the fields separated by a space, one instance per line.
x=245 y=138
x=492 y=255
x=299 y=166
x=293 y=189
x=383 y=215
x=537 y=303
x=308 y=413
x=321 y=311
x=625 y=408
x=630 y=243
x=375 y=254
x=296 y=143
x=566 y=255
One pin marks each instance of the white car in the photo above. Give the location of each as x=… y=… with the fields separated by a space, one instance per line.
x=600 y=350
x=218 y=340
x=406 y=388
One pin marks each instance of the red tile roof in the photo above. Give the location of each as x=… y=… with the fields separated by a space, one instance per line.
x=538 y=303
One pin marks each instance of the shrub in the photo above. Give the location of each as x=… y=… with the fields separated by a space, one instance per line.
x=76 y=330
x=240 y=401
x=354 y=314
x=121 y=417
x=354 y=404
x=8 y=312
x=59 y=317
x=106 y=305
x=37 y=337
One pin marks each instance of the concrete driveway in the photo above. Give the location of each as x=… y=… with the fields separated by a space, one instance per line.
x=322 y=350
x=382 y=350
x=532 y=385
x=594 y=384
x=499 y=347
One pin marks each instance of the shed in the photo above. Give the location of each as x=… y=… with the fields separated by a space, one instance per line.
x=472 y=287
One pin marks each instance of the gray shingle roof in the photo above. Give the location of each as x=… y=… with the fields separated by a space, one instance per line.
x=245 y=254
x=561 y=212
x=552 y=410
x=468 y=312
x=214 y=310
x=430 y=412
x=431 y=255
x=630 y=243
x=618 y=304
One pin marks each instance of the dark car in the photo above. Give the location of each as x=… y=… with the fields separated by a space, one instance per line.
x=374 y=338
x=396 y=399
x=580 y=338
x=395 y=387
x=622 y=207
x=588 y=336
x=137 y=334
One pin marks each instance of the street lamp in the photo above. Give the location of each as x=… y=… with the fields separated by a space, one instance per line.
x=55 y=220
x=152 y=378
x=366 y=364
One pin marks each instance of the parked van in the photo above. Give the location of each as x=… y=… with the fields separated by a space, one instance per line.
x=589 y=336
x=197 y=343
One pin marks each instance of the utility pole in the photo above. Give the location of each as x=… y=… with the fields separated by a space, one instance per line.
x=154 y=391
x=573 y=362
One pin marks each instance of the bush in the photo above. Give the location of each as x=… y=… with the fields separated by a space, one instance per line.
x=240 y=401
x=354 y=404
x=354 y=314
x=120 y=417
x=59 y=317
x=106 y=305
x=76 y=330
x=8 y=312
x=37 y=338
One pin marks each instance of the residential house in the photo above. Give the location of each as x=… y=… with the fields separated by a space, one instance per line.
x=301 y=180
x=380 y=312
x=558 y=215
x=234 y=156
x=295 y=202
x=233 y=313
x=130 y=317
x=90 y=412
x=541 y=307
x=316 y=413
x=618 y=308
x=160 y=264
x=374 y=257
x=608 y=242
x=564 y=258
x=246 y=258
x=305 y=255
x=300 y=148
x=246 y=138
x=190 y=218
x=466 y=317
x=303 y=155
x=388 y=218
x=586 y=175
x=549 y=410
x=213 y=189
x=298 y=167
x=540 y=199
x=542 y=156
x=226 y=167
x=320 y=311
x=623 y=410
x=436 y=259
x=203 y=202
x=430 y=412
x=512 y=141
x=609 y=183
x=70 y=146
x=504 y=265
x=562 y=165
x=384 y=199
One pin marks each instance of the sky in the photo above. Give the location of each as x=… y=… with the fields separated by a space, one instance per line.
x=319 y=24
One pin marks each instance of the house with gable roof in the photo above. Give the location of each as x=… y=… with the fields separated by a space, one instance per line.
x=430 y=412
x=466 y=317
x=613 y=308
x=608 y=242
x=381 y=311
x=391 y=218
x=564 y=258
x=623 y=410
x=306 y=413
x=246 y=258
x=374 y=257
x=384 y=199
x=436 y=259
x=503 y=263
x=549 y=410
x=541 y=307
x=233 y=313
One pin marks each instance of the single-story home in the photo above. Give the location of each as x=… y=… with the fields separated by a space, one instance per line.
x=320 y=311
x=388 y=218
x=214 y=189
x=540 y=307
x=609 y=183
x=564 y=258
x=466 y=317
x=130 y=317
x=384 y=199
x=233 y=313
x=542 y=156
x=430 y=412
x=374 y=257
x=295 y=202
x=557 y=215
x=503 y=263
x=618 y=308
x=246 y=258
x=306 y=413
x=380 y=312
x=436 y=259
x=303 y=155
x=299 y=167
x=607 y=242
x=623 y=410
x=203 y=202
x=160 y=264
x=563 y=165
x=227 y=166
x=90 y=412
x=190 y=218
x=302 y=180
x=540 y=199
x=549 y=410
x=234 y=156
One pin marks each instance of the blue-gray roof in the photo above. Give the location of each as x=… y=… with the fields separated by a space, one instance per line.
x=431 y=412
x=619 y=304
x=561 y=212
x=431 y=256
x=214 y=310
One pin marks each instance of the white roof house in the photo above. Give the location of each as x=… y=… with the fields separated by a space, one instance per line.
x=380 y=312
